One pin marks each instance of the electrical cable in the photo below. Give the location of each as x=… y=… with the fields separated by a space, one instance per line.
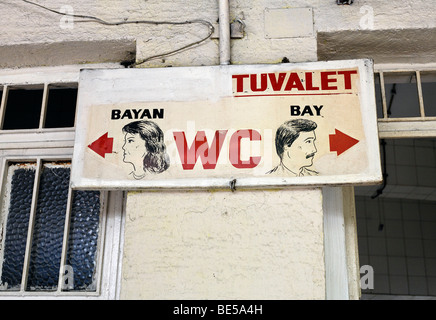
x=117 y=23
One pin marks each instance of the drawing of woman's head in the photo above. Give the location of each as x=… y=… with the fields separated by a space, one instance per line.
x=145 y=140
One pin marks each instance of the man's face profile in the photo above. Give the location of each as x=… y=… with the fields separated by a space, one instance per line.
x=302 y=150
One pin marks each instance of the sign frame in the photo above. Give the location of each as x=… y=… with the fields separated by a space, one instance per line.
x=188 y=84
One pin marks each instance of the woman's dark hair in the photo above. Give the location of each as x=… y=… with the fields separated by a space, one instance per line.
x=156 y=160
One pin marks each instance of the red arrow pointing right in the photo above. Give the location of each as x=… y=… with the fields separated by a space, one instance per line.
x=340 y=142
x=102 y=145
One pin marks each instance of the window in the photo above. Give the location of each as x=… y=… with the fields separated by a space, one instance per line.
x=428 y=82
x=39 y=106
x=22 y=108
x=396 y=221
x=54 y=241
x=406 y=101
x=37 y=266
x=397 y=228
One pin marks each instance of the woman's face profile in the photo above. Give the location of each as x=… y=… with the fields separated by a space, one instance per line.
x=134 y=148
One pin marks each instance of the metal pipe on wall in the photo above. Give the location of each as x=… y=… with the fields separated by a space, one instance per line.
x=224 y=32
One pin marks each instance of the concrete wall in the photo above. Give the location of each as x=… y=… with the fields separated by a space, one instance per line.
x=224 y=245
x=337 y=26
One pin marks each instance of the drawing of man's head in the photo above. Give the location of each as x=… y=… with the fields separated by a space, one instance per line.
x=295 y=144
x=144 y=148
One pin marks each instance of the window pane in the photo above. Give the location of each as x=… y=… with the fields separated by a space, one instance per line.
x=23 y=108
x=48 y=230
x=83 y=238
x=378 y=96
x=61 y=107
x=428 y=81
x=16 y=207
x=401 y=95
x=47 y=236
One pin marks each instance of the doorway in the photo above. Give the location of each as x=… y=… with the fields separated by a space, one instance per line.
x=396 y=222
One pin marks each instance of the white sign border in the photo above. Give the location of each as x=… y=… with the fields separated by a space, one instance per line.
x=93 y=90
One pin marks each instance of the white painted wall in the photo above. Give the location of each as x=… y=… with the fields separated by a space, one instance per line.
x=224 y=245
x=26 y=24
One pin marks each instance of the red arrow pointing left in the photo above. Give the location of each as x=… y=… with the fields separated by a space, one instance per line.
x=102 y=145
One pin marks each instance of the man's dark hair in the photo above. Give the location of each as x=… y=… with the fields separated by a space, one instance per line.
x=289 y=131
x=157 y=159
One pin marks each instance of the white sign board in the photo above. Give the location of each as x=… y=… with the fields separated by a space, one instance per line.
x=306 y=124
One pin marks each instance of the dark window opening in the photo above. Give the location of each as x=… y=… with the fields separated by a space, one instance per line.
x=396 y=222
x=24 y=105
x=61 y=107
x=378 y=96
x=23 y=108
x=428 y=82
x=402 y=99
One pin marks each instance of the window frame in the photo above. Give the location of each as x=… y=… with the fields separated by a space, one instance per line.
x=51 y=144
x=410 y=127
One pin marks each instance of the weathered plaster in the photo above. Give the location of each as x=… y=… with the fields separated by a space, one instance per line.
x=383 y=46
x=67 y=53
x=224 y=245
x=27 y=25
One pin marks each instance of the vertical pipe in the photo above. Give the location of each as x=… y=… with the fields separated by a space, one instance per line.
x=224 y=32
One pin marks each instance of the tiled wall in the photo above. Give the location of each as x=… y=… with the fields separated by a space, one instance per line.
x=411 y=162
x=398 y=239
x=397 y=230
x=411 y=169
